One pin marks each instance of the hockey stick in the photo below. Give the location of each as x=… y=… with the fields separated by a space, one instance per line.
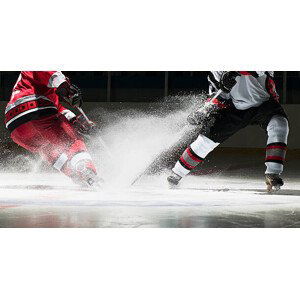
x=184 y=129
x=83 y=114
x=99 y=138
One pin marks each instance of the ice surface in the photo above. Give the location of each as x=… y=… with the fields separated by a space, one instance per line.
x=200 y=202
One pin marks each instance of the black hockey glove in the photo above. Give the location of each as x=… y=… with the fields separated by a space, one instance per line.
x=84 y=127
x=228 y=80
x=211 y=106
x=196 y=118
x=70 y=93
x=199 y=116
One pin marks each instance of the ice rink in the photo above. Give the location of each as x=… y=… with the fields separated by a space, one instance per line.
x=228 y=190
x=201 y=201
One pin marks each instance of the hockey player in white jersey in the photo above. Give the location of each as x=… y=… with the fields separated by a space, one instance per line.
x=247 y=98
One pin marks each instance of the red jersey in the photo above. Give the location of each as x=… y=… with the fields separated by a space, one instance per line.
x=33 y=97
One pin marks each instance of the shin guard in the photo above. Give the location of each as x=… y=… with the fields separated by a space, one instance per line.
x=194 y=155
x=278 y=131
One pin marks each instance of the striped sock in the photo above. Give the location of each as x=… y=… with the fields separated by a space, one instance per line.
x=275 y=157
x=188 y=161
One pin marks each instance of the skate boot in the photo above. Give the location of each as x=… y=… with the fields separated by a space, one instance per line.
x=273 y=181
x=86 y=177
x=173 y=180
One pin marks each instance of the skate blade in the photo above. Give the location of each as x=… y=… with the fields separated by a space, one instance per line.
x=96 y=185
x=273 y=189
x=173 y=187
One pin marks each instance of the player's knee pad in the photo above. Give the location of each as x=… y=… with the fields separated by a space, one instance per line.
x=278 y=131
x=202 y=146
x=79 y=157
x=80 y=161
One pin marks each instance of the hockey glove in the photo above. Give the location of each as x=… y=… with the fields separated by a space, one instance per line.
x=196 y=117
x=211 y=106
x=69 y=93
x=84 y=127
x=228 y=80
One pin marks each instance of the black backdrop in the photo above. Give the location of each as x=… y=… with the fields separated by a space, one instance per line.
x=145 y=86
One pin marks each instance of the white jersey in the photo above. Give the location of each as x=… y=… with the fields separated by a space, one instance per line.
x=251 y=89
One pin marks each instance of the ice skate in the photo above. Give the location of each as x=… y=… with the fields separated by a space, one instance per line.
x=273 y=182
x=86 y=177
x=173 y=180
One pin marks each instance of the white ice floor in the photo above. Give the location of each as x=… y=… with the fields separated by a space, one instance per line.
x=51 y=200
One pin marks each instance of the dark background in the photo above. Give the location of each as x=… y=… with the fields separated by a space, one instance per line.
x=149 y=86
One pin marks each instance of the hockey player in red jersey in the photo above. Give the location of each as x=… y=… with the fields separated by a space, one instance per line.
x=39 y=123
x=246 y=98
